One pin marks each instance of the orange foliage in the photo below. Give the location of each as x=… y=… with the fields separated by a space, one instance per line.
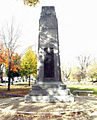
x=15 y=60
x=2 y=55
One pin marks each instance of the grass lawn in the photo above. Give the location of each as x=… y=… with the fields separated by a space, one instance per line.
x=83 y=88
x=23 y=89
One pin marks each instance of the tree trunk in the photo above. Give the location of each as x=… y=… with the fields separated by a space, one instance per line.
x=9 y=74
x=12 y=80
x=92 y=81
x=29 y=81
x=1 y=79
x=9 y=81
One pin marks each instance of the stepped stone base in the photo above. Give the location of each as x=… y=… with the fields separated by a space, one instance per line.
x=49 y=92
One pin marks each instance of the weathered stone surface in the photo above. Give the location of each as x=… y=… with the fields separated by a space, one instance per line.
x=47 y=92
x=50 y=98
x=48 y=47
x=49 y=87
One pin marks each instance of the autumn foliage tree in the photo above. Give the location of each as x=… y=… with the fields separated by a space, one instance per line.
x=15 y=60
x=9 y=34
x=15 y=65
x=29 y=64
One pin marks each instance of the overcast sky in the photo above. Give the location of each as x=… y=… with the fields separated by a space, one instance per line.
x=77 y=23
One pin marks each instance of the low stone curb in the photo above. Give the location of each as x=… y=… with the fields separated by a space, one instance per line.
x=13 y=112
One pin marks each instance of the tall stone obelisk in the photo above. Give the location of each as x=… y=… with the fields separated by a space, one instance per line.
x=49 y=87
x=48 y=47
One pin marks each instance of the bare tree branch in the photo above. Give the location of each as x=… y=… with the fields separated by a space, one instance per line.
x=9 y=35
x=84 y=62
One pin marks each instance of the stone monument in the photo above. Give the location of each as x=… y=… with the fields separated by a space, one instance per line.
x=49 y=87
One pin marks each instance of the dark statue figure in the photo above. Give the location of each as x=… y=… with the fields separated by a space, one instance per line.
x=49 y=63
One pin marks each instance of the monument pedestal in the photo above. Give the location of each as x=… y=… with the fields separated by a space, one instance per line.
x=49 y=92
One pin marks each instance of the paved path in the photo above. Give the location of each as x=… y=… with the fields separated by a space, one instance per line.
x=13 y=105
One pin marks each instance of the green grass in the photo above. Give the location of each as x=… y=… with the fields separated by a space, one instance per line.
x=25 y=83
x=83 y=88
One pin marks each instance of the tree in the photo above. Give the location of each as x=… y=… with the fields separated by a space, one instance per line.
x=13 y=74
x=2 y=55
x=66 y=72
x=84 y=62
x=1 y=73
x=15 y=65
x=92 y=71
x=29 y=64
x=2 y=60
x=77 y=74
x=9 y=35
x=15 y=62
x=31 y=2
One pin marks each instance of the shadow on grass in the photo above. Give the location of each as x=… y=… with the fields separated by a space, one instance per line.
x=79 y=88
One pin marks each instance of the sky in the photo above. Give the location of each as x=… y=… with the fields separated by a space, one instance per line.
x=77 y=25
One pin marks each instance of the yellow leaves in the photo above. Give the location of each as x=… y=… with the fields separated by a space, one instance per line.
x=29 y=62
x=31 y=2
